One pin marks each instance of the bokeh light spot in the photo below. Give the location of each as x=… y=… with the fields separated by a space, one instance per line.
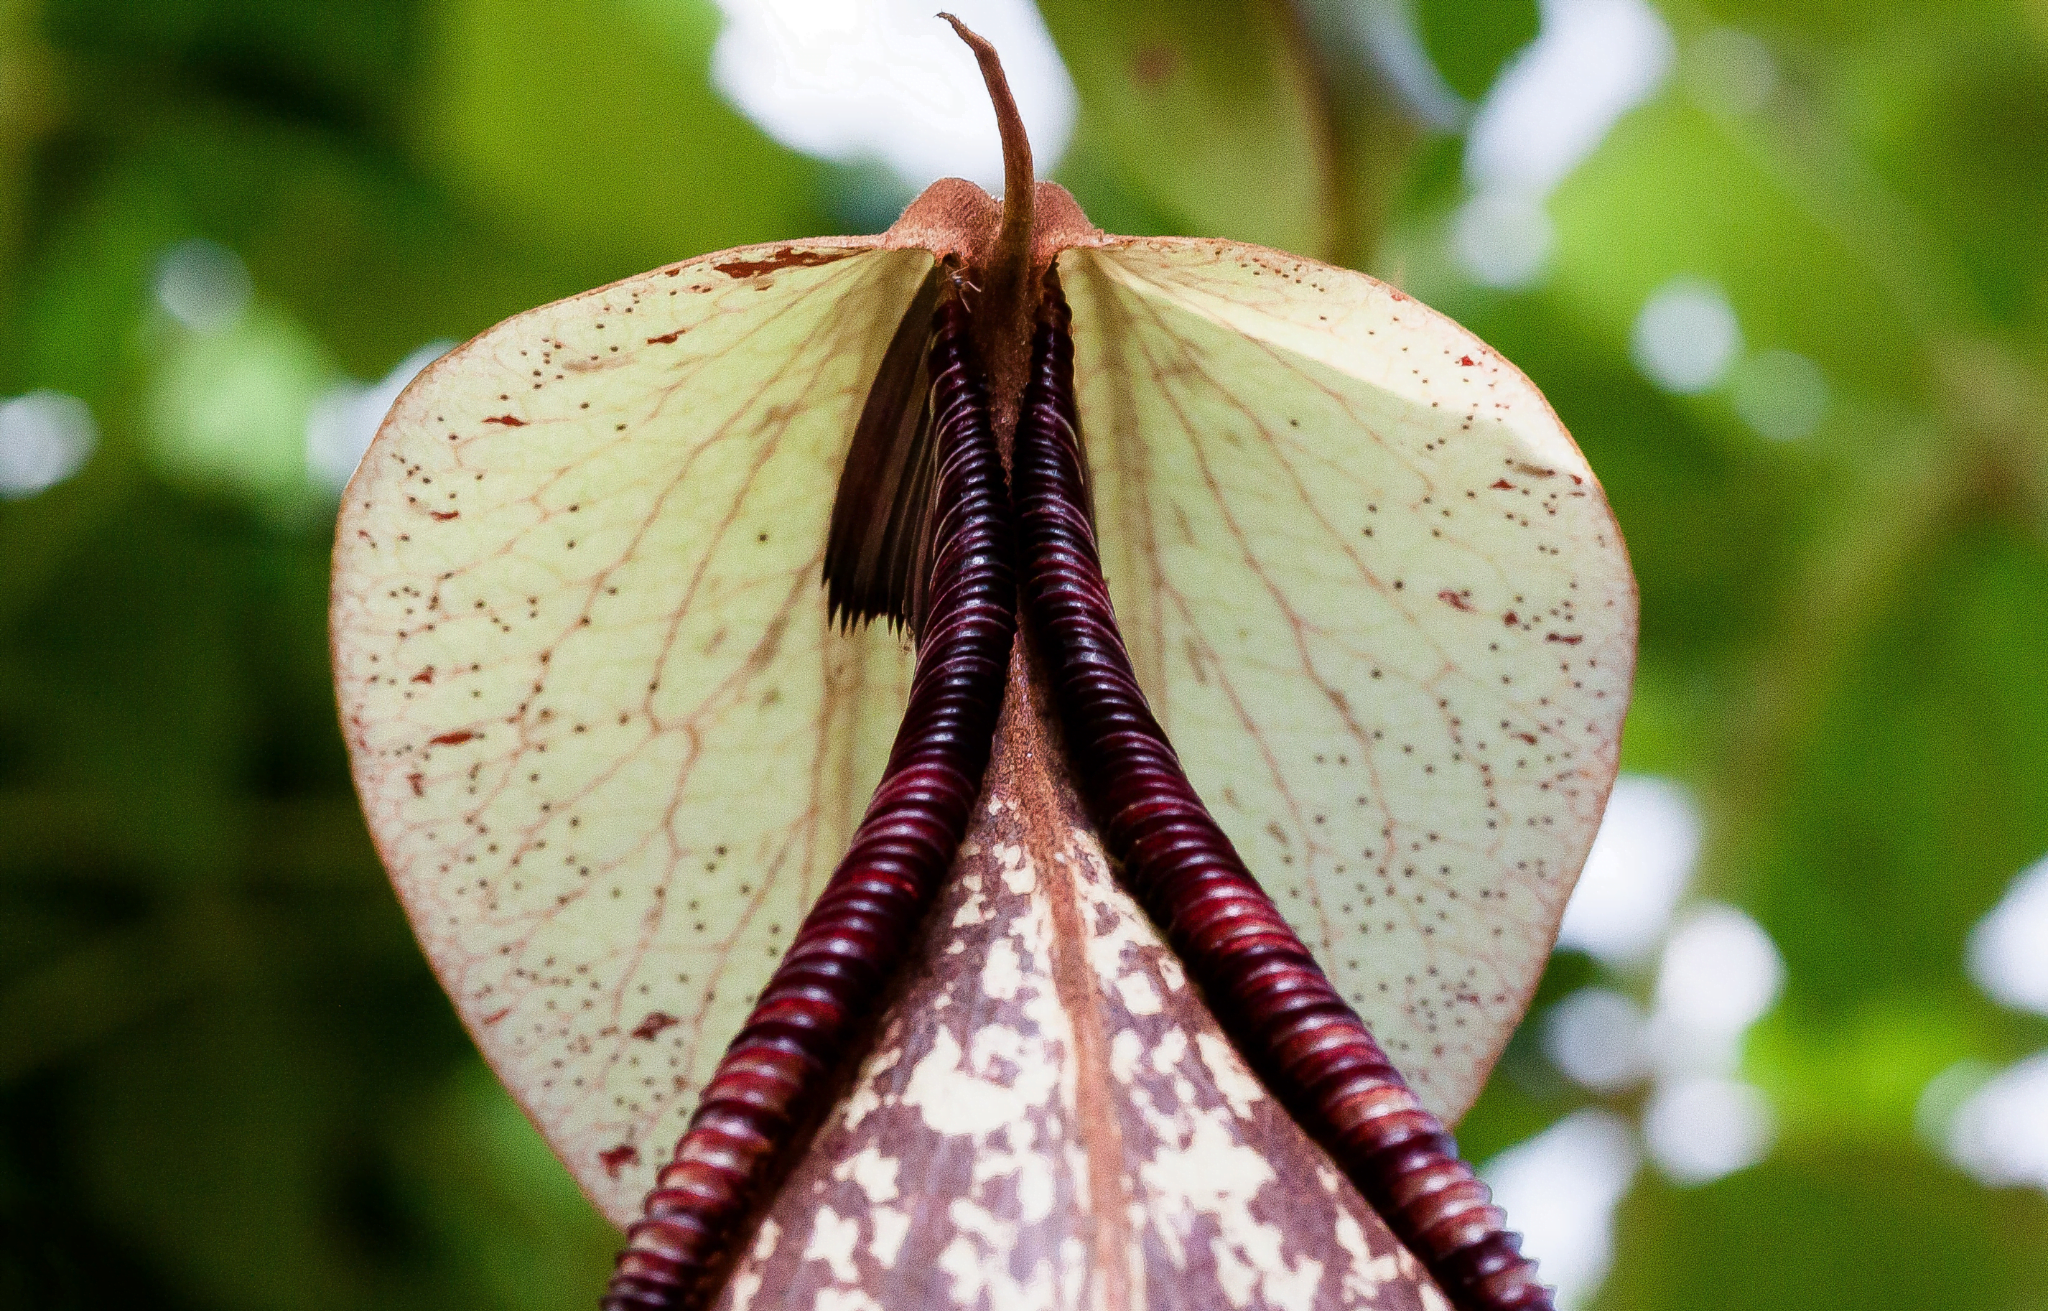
x=1599 y=1038
x=1704 y=1128
x=1641 y=861
x=1591 y=62
x=1561 y=1188
x=1502 y=238
x=203 y=285
x=45 y=437
x=1687 y=336
x=2008 y=950
x=1720 y=974
x=2000 y=1134
x=860 y=81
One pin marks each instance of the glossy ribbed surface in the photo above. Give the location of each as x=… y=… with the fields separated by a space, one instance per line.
x=1273 y=1000
x=770 y=1083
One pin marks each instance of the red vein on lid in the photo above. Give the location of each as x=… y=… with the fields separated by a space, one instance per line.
x=1308 y=1045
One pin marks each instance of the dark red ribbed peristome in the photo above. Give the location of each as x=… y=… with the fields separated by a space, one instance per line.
x=1308 y=1045
x=768 y=1087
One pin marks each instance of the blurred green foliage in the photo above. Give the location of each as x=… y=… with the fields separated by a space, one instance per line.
x=1469 y=40
x=226 y=1078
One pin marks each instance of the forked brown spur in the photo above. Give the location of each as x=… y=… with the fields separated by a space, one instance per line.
x=613 y=738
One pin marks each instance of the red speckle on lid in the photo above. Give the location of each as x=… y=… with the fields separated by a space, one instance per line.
x=618 y=1158
x=779 y=259
x=1510 y=619
x=665 y=338
x=648 y=1029
x=509 y=420
x=419 y=782
x=455 y=739
x=1455 y=601
x=497 y=1015
x=425 y=675
x=1569 y=640
x=445 y=515
x=1465 y=361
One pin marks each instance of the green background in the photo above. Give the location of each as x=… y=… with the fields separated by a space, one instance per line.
x=227 y=1079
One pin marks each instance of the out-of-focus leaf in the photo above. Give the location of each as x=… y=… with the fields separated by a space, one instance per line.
x=1848 y=24
x=229 y=409
x=1863 y=1074
x=1847 y=1227
x=1675 y=192
x=1944 y=119
x=207 y=1149
x=25 y=109
x=592 y=129
x=39 y=535
x=1211 y=115
x=86 y=998
x=1469 y=40
x=334 y=59
x=129 y=702
x=483 y=1186
x=1918 y=796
